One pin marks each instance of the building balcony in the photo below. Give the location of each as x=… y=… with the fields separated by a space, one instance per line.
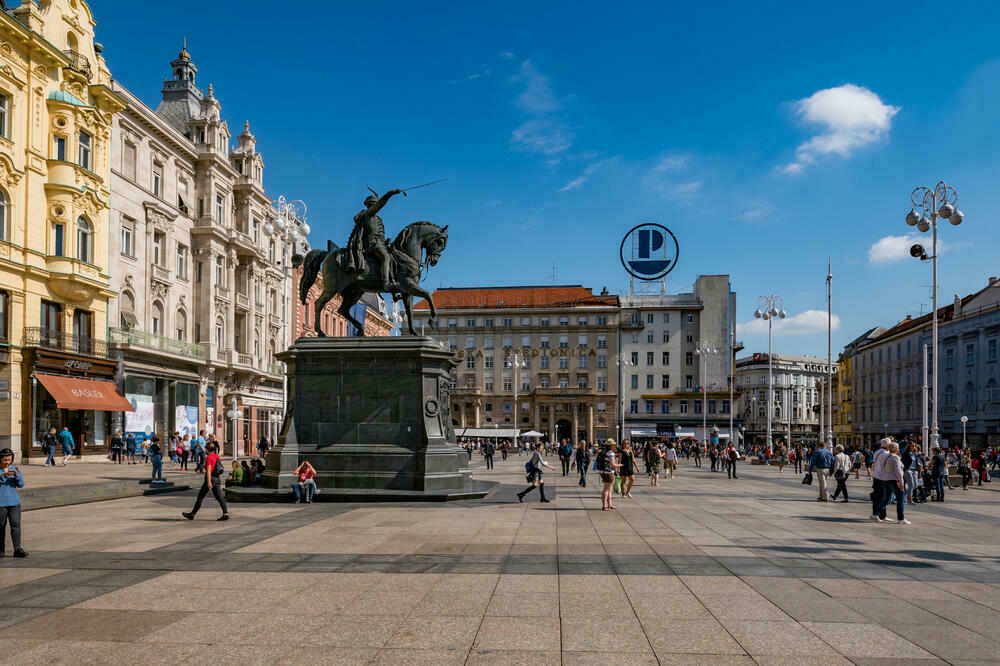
x=160 y=273
x=555 y=391
x=276 y=369
x=79 y=63
x=242 y=301
x=48 y=338
x=123 y=338
x=243 y=242
x=75 y=280
x=245 y=360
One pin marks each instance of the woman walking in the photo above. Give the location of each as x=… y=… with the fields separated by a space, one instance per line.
x=670 y=460
x=841 y=468
x=965 y=469
x=608 y=468
x=156 y=455
x=655 y=457
x=628 y=469
x=535 y=474
x=213 y=483
x=10 y=503
x=939 y=469
x=184 y=448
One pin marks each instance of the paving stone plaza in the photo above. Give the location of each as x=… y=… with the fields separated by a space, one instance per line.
x=702 y=570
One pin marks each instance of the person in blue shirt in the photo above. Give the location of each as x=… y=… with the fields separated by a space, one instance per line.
x=10 y=503
x=66 y=439
x=130 y=447
x=821 y=463
x=198 y=444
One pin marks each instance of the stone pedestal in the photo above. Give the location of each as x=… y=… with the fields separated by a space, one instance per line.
x=372 y=415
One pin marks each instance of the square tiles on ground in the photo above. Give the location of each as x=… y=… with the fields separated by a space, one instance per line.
x=609 y=634
x=670 y=636
x=522 y=633
x=866 y=640
x=86 y=624
x=529 y=604
x=479 y=657
x=436 y=632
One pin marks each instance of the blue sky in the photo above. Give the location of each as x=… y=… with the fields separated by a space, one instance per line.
x=767 y=136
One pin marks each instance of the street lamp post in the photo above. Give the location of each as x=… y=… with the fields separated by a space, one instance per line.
x=290 y=215
x=517 y=362
x=965 y=419
x=769 y=307
x=703 y=349
x=622 y=361
x=928 y=205
x=829 y=353
x=234 y=414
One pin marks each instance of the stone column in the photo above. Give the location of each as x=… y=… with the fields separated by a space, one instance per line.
x=552 y=422
x=476 y=414
x=576 y=415
x=590 y=422
x=231 y=311
x=461 y=416
x=538 y=420
x=252 y=326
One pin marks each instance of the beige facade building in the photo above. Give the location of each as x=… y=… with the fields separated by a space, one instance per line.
x=203 y=293
x=56 y=110
x=663 y=375
x=531 y=358
x=797 y=392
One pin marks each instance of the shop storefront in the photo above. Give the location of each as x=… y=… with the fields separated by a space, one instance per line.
x=73 y=391
x=162 y=405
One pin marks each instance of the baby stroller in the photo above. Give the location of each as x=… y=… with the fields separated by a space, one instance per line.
x=925 y=488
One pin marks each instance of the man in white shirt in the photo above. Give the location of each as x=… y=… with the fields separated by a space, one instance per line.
x=880 y=473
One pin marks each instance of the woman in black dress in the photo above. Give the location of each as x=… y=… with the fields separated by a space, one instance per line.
x=628 y=468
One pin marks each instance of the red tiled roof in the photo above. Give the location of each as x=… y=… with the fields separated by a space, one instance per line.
x=517 y=297
x=944 y=314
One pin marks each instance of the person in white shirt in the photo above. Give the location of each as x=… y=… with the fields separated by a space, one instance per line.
x=841 y=468
x=670 y=458
x=888 y=471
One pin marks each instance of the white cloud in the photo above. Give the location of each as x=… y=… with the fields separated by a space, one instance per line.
x=849 y=116
x=537 y=96
x=543 y=136
x=893 y=248
x=756 y=212
x=543 y=132
x=507 y=55
x=587 y=173
x=804 y=323
x=573 y=184
x=667 y=177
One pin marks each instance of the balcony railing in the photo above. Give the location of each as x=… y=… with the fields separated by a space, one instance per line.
x=122 y=337
x=49 y=338
x=245 y=359
x=243 y=301
x=79 y=63
x=276 y=368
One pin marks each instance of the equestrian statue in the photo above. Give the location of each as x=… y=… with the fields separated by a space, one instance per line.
x=370 y=263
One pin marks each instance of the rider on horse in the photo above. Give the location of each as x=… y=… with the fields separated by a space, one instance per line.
x=368 y=236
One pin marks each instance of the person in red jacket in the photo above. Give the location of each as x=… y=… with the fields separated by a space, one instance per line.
x=213 y=482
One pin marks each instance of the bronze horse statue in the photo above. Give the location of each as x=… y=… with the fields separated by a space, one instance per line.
x=408 y=261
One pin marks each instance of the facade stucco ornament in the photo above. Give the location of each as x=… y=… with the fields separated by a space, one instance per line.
x=221 y=306
x=88 y=202
x=9 y=176
x=205 y=375
x=159 y=220
x=159 y=289
x=130 y=135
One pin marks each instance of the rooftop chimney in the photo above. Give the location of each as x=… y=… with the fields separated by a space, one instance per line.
x=992 y=280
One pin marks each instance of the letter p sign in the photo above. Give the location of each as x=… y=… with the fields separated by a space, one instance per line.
x=650 y=240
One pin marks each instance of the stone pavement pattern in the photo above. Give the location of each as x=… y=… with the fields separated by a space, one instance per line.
x=701 y=570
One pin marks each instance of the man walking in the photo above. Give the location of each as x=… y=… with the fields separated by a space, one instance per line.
x=889 y=471
x=820 y=465
x=488 y=452
x=198 y=446
x=66 y=439
x=732 y=455
x=878 y=509
x=49 y=443
x=582 y=461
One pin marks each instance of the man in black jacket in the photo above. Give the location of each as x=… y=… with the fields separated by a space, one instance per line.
x=488 y=451
x=582 y=461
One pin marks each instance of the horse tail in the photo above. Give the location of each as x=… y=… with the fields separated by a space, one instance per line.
x=311 y=264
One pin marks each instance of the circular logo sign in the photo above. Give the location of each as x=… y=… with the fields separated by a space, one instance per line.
x=649 y=251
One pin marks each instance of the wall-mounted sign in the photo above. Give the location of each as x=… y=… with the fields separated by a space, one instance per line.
x=4 y=384
x=649 y=251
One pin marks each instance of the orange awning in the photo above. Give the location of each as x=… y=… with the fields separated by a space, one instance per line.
x=77 y=393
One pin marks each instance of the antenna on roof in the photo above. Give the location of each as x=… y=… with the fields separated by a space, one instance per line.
x=553 y=272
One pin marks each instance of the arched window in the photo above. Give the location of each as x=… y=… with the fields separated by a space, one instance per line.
x=970 y=395
x=949 y=395
x=4 y=216
x=156 y=320
x=71 y=42
x=126 y=310
x=84 y=245
x=220 y=331
x=180 y=323
x=271 y=351
x=991 y=391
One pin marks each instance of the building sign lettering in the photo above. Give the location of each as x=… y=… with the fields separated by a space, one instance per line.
x=86 y=393
x=533 y=352
x=649 y=251
x=75 y=364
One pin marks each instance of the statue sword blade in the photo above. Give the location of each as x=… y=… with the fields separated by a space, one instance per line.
x=417 y=187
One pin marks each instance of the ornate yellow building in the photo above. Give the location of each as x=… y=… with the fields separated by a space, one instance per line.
x=56 y=108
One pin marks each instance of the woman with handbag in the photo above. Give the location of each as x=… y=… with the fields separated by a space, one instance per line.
x=841 y=468
x=608 y=468
x=627 y=474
